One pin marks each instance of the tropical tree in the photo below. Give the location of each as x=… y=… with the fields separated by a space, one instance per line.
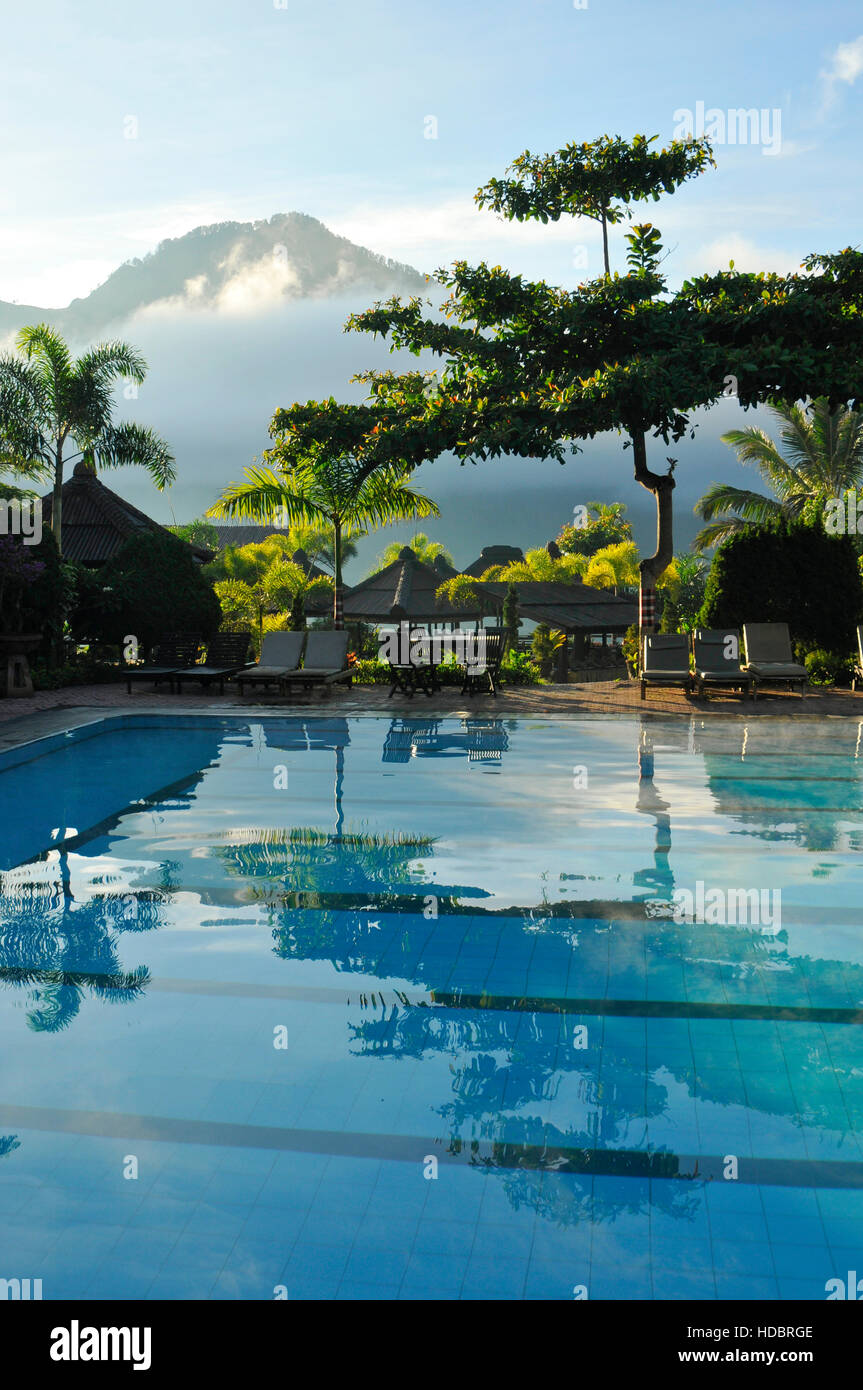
x=51 y=401
x=256 y=581
x=538 y=565
x=198 y=532
x=614 y=567
x=324 y=488
x=819 y=456
x=426 y=551
x=602 y=523
x=683 y=586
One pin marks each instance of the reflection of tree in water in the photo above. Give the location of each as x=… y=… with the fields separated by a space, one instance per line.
x=8 y=1142
x=61 y=951
x=783 y=801
x=309 y=879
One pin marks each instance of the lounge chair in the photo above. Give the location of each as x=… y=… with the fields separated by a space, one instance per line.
x=717 y=662
x=325 y=663
x=171 y=655
x=665 y=661
x=858 y=665
x=227 y=654
x=769 y=658
x=483 y=664
x=280 y=655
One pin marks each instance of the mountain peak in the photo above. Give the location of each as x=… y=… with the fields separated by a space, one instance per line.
x=239 y=267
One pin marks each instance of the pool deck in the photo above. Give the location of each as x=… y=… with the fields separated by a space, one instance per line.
x=51 y=711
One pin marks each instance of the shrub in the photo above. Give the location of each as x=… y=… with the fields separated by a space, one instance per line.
x=791 y=573
x=151 y=587
x=519 y=668
x=828 y=668
x=630 y=649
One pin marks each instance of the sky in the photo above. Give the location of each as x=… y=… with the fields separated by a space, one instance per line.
x=152 y=119
x=122 y=124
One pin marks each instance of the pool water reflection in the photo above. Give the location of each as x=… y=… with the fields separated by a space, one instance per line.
x=284 y=964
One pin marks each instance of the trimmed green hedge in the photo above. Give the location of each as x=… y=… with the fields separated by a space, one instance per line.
x=794 y=574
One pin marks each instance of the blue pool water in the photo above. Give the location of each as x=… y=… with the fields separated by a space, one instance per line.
x=385 y=1009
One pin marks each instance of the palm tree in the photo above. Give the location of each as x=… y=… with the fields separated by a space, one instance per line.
x=323 y=488
x=258 y=579
x=317 y=542
x=50 y=399
x=820 y=455
x=538 y=565
x=425 y=550
x=614 y=567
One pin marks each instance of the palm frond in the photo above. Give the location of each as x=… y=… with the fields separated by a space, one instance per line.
x=118 y=446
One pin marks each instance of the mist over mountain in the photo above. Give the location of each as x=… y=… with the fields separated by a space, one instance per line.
x=229 y=265
x=238 y=319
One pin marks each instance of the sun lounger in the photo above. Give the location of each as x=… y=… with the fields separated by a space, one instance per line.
x=769 y=658
x=717 y=662
x=326 y=661
x=665 y=661
x=280 y=655
x=226 y=655
x=172 y=654
x=483 y=662
x=858 y=664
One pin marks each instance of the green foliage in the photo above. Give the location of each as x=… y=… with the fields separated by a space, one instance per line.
x=518 y=668
x=83 y=670
x=828 y=668
x=151 y=587
x=630 y=649
x=199 y=532
x=604 y=525
x=793 y=573
x=596 y=180
x=683 y=590
x=545 y=649
x=511 y=622
x=425 y=550
x=50 y=402
x=819 y=457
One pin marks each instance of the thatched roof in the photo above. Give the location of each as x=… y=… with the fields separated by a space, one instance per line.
x=405 y=591
x=98 y=522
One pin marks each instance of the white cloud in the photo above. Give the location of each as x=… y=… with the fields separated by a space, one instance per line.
x=847 y=62
x=846 y=66
x=747 y=256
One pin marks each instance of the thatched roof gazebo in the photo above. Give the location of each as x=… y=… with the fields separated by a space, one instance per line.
x=97 y=522
x=405 y=591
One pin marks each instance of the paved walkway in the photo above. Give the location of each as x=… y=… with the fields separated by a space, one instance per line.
x=73 y=704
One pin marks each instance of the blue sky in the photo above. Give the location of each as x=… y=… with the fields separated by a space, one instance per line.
x=244 y=109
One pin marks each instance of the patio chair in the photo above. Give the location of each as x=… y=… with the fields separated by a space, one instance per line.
x=858 y=664
x=769 y=658
x=483 y=664
x=326 y=661
x=227 y=654
x=411 y=676
x=171 y=655
x=665 y=661
x=717 y=662
x=280 y=655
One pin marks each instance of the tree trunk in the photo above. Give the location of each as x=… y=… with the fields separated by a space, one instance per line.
x=338 y=615
x=654 y=566
x=605 y=246
x=57 y=498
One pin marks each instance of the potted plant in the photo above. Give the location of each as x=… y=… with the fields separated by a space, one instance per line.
x=18 y=569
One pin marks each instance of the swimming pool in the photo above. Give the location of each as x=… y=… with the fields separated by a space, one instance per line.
x=386 y=1009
